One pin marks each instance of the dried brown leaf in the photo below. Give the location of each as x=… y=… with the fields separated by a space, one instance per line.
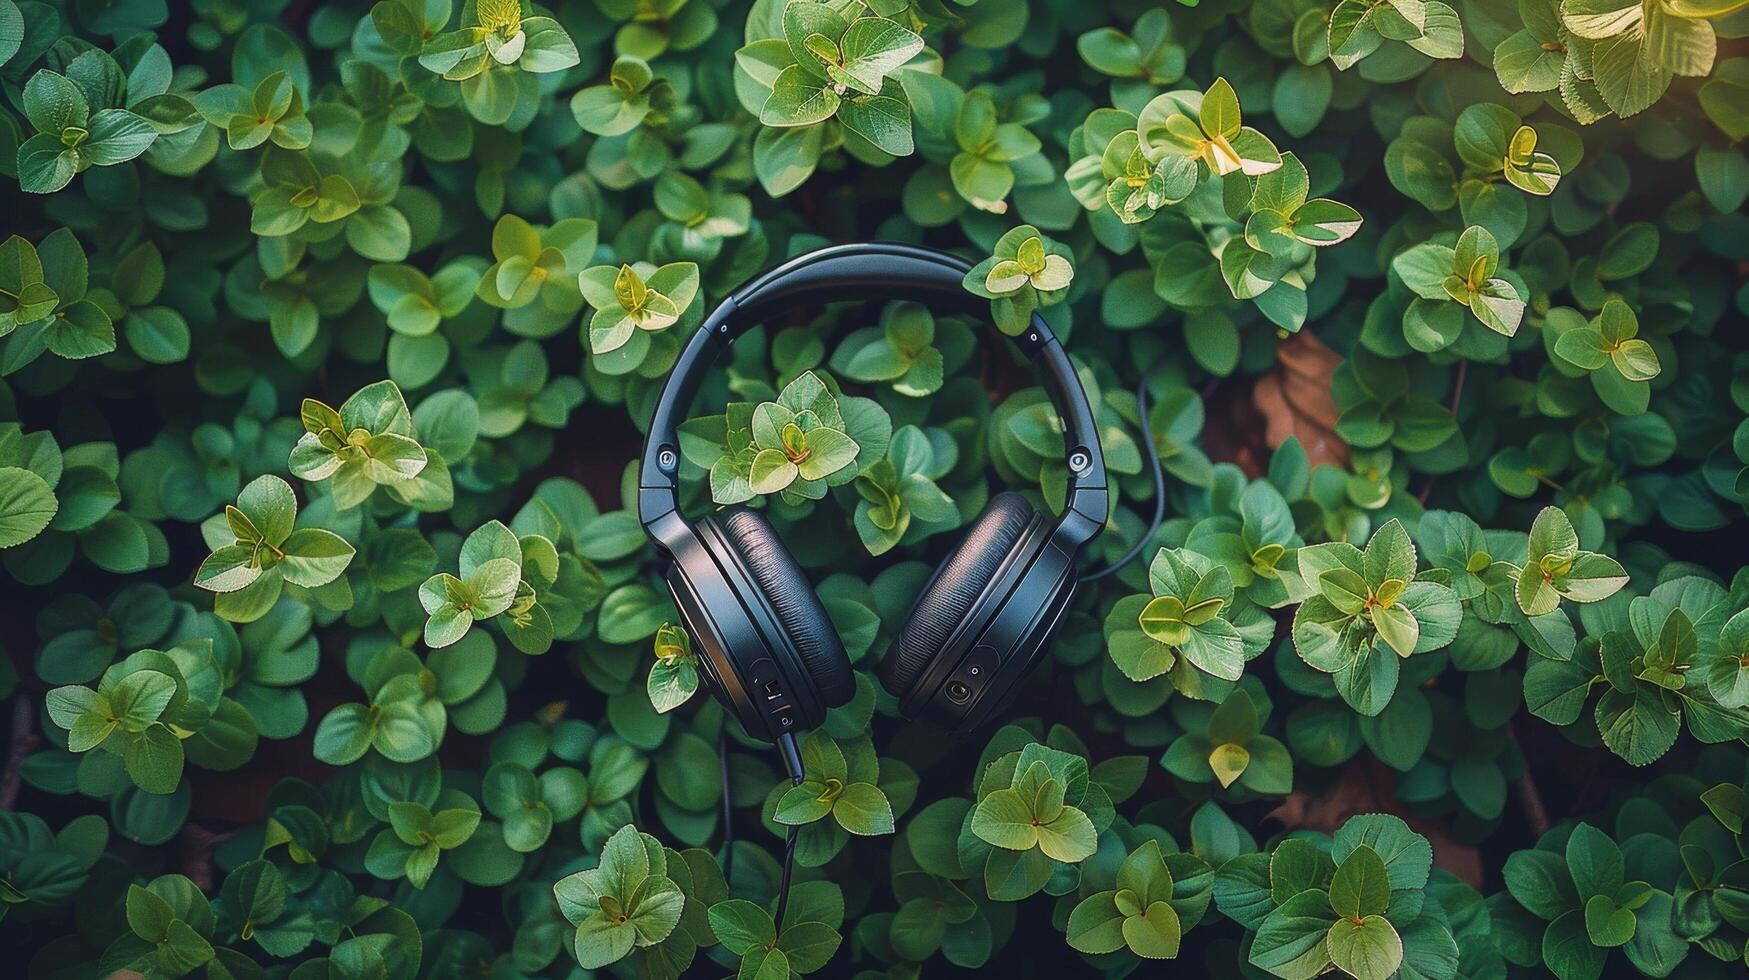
x=1295 y=399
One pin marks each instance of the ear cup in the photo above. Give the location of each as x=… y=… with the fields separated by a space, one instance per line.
x=792 y=597
x=951 y=593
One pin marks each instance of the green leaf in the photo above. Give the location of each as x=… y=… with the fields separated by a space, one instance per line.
x=1010 y=876
x=1539 y=881
x=671 y=684
x=1568 y=950
x=741 y=925
x=1360 y=888
x=1366 y=949
x=139 y=699
x=80 y=330
x=44 y=165
x=1005 y=819
x=344 y=735
x=864 y=810
x=764 y=964
x=829 y=451
x=601 y=941
x=1398 y=628
x=1606 y=923
x=1639 y=727
x=810 y=945
x=52 y=103
x=117 y=136
x=11 y=30
x=1629 y=252
x=772 y=471
x=154 y=759
x=85 y=714
x=882 y=120
x=1292 y=940
x=1584 y=348
x=1096 y=925
x=1591 y=577
x=1070 y=837
x=871 y=49
x=1552 y=534
x=27 y=505
x=1228 y=761
x=314 y=557
x=546 y=48
x=1155 y=933
x=1216 y=648
x=805 y=803
x=1523 y=64
x=1219 y=116
x=1325 y=222
x=1407 y=855
x=798 y=99
x=1295 y=867
x=1635 y=359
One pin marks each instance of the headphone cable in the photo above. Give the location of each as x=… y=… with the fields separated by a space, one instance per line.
x=792 y=763
x=728 y=812
x=791 y=752
x=1159 y=487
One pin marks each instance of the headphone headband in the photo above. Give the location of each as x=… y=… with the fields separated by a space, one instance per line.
x=863 y=271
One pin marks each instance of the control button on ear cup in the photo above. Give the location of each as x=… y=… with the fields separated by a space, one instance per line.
x=949 y=596
x=973 y=675
x=792 y=597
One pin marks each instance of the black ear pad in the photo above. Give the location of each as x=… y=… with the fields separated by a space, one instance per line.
x=792 y=597
x=953 y=590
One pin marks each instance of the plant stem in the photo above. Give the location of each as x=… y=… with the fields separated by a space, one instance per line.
x=1529 y=799
x=24 y=742
x=1457 y=398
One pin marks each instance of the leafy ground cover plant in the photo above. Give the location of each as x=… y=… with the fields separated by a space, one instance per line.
x=328 y=332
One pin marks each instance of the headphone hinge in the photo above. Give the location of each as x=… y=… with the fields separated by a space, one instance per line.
x=1084 y=513
x=661 y=519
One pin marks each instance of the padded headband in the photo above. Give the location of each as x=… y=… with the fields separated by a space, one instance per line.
x=863 y=271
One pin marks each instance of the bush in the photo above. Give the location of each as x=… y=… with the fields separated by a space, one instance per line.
x=327 y=332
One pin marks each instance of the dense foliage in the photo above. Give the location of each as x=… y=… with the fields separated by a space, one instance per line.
x=335 y=650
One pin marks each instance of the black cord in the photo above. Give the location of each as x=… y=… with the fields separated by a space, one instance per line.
x=789 y=861
x=728 y=815
x=1159 y=488
x=792 y=763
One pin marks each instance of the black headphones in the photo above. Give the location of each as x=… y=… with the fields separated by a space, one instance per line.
x=766 y=645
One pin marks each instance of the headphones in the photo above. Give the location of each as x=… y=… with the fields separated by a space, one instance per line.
x=768 y=650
